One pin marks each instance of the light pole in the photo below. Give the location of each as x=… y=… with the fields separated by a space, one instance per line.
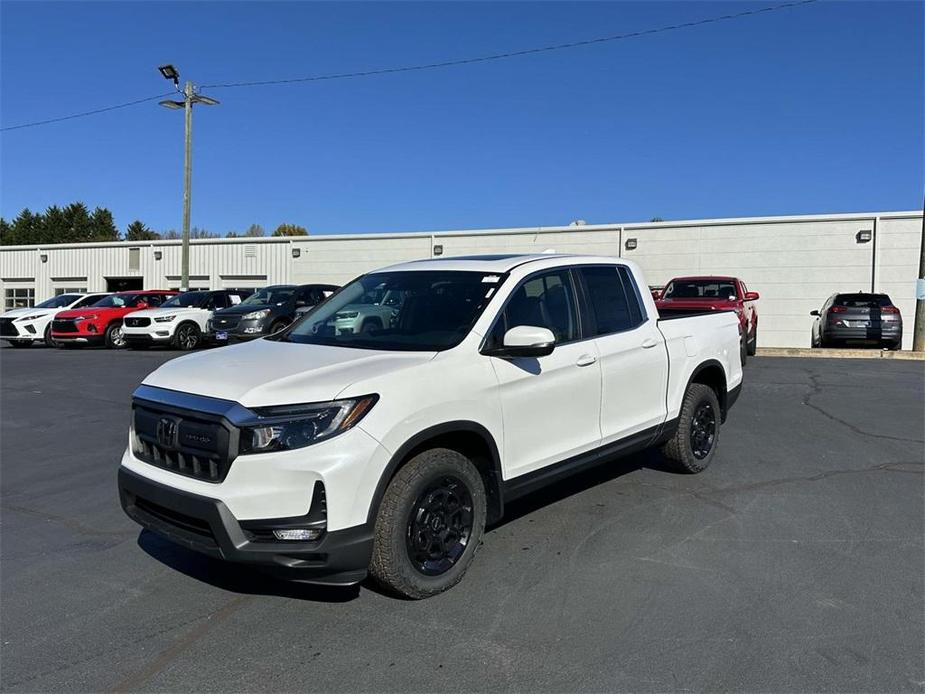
x=190 y=97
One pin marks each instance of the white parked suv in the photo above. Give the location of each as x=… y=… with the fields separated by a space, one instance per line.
x=23 y=326
x=325 y=455
x=180 y=321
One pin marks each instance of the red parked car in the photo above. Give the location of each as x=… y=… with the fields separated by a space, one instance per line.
x=686 y=294
x=101 y=324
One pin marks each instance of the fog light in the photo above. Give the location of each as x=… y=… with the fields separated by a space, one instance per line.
x=91 y=328
x=303 y=534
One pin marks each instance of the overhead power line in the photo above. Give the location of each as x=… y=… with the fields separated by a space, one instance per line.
x=87 y=113
x=442 y=64
x=515 y=54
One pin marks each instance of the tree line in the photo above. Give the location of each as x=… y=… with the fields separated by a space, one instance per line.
x=75 y=223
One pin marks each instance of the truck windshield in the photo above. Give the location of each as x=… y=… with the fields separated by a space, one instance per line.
x=700 y=289
x=268 y=296
x=186 y=300
x=419 y=310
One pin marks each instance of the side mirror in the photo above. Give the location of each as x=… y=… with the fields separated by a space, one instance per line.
x=141 y=305
x=525 y=341
x=752 y=296
x=814 y=313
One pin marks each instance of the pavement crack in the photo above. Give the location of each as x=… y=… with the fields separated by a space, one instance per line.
x=815 y=388
x=181 y=646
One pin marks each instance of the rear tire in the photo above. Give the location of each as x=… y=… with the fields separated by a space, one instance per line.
x=693 y=445
x=114 y=337
x=429 y=525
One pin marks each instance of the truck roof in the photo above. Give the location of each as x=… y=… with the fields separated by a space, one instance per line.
x=491 y=263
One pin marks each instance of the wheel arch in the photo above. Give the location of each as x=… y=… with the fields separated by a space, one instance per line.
x=712 y=374
x=469 y=438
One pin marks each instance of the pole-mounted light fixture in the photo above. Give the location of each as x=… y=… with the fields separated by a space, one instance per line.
x=190 y=97
x=170 y=73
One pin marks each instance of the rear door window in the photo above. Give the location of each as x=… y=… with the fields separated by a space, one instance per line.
x=613 y=309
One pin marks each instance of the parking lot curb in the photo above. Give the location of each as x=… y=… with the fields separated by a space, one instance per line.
x=839 y=353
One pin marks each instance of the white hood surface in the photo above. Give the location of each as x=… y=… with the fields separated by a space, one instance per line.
x=20 y=312
x=160 y=311
x=267 y=372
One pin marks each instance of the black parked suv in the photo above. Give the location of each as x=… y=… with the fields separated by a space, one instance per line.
x=266 y=311
x=858 y=317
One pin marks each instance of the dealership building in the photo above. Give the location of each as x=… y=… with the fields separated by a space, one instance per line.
x=794 y=262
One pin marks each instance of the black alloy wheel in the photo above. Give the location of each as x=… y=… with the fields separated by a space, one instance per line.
x=440 y=526
x=187 y=336
x=703 y=430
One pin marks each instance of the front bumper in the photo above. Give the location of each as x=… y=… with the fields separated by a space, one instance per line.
x=243 y=330
x=13 y=330
x=206 y=525
x=145 y=338
x=74 y=338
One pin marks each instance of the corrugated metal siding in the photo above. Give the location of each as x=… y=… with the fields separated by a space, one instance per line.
x=795 y=263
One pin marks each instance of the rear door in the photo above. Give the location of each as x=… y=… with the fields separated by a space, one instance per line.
x=633 y=356
x=550 y=405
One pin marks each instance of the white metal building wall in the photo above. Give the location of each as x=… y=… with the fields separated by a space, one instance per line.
x=794 y=262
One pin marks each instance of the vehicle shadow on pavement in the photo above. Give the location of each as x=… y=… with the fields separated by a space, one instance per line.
x=236 y=578
x=602 y=472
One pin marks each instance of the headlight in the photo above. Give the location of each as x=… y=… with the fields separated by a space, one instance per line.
x=25 y=318
x=296 y=426
x=90 y=317
x=263 y=313
x=164 y=319
x=346 y=314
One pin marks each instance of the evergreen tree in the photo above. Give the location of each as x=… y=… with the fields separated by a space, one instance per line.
x=102 y=226
x=137 y=231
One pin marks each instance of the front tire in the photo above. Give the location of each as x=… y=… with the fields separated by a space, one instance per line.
x=429 y=525
x=693 y=445
x=752 y=345
x=49 y=340
x=277 y=326
x=20 y=344
x=187 y=337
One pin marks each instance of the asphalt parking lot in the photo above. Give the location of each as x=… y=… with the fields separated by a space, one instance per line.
x=793 y=564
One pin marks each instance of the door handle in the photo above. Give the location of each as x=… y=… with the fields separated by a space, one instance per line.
x=586 y=360
x=649 y=343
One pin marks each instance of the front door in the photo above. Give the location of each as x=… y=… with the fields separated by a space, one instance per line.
x=550 y=405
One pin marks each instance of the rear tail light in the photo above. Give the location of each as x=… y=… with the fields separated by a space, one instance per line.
x=889 y=309
x=838 y=309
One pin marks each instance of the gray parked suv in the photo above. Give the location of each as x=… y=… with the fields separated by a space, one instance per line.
x=266 y=311
x=860 y=317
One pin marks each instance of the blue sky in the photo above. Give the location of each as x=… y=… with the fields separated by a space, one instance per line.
x=806 y=110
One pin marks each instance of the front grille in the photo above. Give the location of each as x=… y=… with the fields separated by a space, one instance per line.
x=63 y=326
x=188 y=443
x=7 y=327
x=225 y=322
x=137 y=322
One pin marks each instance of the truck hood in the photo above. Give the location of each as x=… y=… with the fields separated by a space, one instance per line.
x=268 y=372
x=705 y=304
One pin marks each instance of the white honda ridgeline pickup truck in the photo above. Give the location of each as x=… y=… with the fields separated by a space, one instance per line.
x=324 y=454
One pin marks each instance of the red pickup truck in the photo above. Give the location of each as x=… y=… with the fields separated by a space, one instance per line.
x=101 y=324
x=709 y=293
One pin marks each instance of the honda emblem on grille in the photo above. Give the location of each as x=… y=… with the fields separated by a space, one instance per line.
x=167 y=432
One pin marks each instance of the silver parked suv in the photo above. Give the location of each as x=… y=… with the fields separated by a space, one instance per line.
x=859 y=317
